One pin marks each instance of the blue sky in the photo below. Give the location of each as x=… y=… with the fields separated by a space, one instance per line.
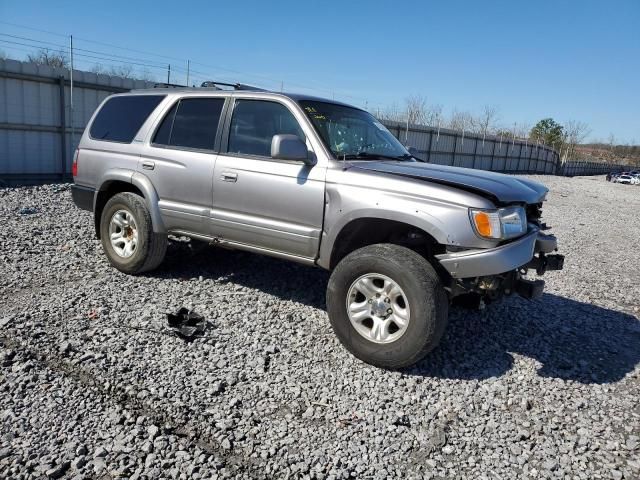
x=567 y=60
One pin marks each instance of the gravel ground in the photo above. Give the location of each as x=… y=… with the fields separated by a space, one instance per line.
x=94 y=385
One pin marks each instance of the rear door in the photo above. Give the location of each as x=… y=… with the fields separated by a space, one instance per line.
x=180 y=158
x=275 y=205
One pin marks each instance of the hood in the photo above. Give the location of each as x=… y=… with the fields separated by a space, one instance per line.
x=497 y=186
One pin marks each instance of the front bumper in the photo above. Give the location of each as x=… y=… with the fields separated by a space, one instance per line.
x=502 y=259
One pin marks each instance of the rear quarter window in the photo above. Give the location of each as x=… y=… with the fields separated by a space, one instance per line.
x=120 y=118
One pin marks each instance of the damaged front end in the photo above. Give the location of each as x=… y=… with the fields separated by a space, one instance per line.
x=488 y=274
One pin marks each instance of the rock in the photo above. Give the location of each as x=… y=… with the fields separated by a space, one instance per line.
x=59 y=470
x=448 y=449
x=153 y=431
x=100 y=452
x=526 y=404
x=5 y=452
x=79 y=462
x=521 y=389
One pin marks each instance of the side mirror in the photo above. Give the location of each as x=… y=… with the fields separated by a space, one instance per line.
x=290 y=147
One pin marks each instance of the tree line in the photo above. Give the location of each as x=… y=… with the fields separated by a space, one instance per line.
x=564 y=138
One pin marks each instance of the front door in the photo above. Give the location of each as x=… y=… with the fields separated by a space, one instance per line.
x=276 y=205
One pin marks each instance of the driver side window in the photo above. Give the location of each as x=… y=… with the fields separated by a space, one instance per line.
x=255 y=122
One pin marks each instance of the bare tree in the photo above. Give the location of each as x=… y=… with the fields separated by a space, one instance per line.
x=417 y=108
x=575 y=132
x=433 y=115
x=145 y=74
x=3 y=55
x=522 y=130
x=485 y=122
x=612 y=142
x=460 y=120
x=51 y=59
x=392 y=113
x=124 y=71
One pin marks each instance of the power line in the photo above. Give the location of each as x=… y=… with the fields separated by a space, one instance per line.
x=83 y=50
x=149 y=63
x=91 y=56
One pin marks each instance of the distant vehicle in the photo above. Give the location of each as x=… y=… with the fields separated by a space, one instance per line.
x=626 y=180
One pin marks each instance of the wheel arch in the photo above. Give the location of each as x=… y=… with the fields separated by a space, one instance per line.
x=368 y=230
x=120 y=180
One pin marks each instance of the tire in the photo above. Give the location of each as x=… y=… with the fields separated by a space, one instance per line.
x=421 y=290
x=150 y=247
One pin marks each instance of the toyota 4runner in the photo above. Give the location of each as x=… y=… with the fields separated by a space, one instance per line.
x=317 y=182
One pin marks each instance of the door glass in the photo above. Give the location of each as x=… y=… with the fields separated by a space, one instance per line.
x=193 y=124
x=255 y=122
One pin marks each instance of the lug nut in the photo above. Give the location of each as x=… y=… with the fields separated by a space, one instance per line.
x=389 y=311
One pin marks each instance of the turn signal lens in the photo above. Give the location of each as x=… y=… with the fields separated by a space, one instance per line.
x=487 y=223
x=483 y=223
x=502 y=224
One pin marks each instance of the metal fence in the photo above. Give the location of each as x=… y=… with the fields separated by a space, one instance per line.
x=575 y=168
x=39 y=129
x=460 y=149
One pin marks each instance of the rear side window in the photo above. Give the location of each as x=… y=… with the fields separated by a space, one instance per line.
x=121 y=117
x=255 y=122
x=192 y=123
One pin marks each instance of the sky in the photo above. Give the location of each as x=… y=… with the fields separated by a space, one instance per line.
x=569 y=60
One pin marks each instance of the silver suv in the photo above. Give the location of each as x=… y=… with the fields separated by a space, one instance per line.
x=317 y=182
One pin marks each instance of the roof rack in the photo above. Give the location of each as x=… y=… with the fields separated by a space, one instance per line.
x=168 y=85
x=235 y=86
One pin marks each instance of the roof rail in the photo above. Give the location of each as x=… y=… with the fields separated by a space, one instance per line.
x=235 y=86
x=168 y=85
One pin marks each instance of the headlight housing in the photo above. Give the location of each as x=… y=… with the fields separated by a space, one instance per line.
x=501 y=224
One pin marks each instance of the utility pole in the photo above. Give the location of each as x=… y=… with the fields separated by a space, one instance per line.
x=168 y=74
x=71 y=123
x=406 y=135
x=188 y=65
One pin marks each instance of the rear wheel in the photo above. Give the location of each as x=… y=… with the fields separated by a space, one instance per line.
x=387 y=305
x=127 y=235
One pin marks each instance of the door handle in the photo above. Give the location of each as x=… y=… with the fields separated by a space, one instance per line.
x=147 y=165
x=229 y=177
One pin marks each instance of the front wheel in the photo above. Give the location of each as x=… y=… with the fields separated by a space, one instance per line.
x=127 y=235
x=387 y=305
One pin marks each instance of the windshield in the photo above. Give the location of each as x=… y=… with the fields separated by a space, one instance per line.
x=353 y=134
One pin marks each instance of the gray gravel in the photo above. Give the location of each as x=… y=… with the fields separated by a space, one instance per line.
x=94 y=385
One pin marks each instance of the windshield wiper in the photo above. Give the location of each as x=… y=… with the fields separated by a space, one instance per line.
x=371 y=155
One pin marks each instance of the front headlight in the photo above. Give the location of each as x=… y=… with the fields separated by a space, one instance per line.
x=501 y=224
